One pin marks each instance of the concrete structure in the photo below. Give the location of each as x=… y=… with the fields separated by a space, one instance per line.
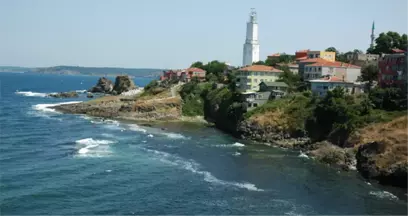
x=251 y=46
x=316 y=68
x=254 y=99
x=249 y=78
x=323 y=85
x=392 y=70
x=361 y=59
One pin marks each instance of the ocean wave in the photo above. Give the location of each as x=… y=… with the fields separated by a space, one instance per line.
x=236 y=144
x=47 y=107
x=384 y=195
x=135 y=127
x=303 y=155
x=90 y=147
x=32 y=94
x=81 y=91
x=237 y=154
x=175 y=136
x=194 y=167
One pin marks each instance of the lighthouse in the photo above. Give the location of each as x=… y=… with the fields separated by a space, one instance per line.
x=251 y=45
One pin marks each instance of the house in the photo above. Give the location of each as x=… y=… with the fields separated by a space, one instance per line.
x=249 y=78
x=192 y=72
x=269 y=86
x=316 y=68
x=308 y=54
x=254 y=99
x=323 y=85
x=274 y=56
x=361 y=59
x=392 y=69
x=184 y=75
x=326 y=55
x=301 y=55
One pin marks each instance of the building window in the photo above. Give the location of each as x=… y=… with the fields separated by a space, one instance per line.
x=320 y=69
x=256 y=73
x=255 y=105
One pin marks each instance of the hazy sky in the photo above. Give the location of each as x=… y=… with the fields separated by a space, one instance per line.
x=175 y=33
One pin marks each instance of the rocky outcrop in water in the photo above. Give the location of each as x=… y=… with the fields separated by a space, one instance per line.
x=104 y=85
x=123 y=84
x=72 y=94
x=370 y=165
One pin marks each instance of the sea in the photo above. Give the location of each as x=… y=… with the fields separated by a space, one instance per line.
x=54 y=163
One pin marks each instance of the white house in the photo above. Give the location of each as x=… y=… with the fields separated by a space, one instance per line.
x=321 y=67
x=322 y=85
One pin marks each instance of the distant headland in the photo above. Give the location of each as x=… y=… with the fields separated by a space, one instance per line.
x=90 y=71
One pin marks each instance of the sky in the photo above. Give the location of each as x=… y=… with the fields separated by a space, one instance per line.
x=175 y=33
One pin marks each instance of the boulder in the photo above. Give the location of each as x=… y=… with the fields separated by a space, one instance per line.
x=89 y=95
x=104 y=85
x=64 y=94
x=123 y=84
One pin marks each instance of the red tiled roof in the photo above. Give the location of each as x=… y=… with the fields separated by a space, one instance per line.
x=313 y=60
x=398 y=50
x=194 y=69
x=332 y=64
x=303 y=51
x=301 y=58
x=274 y=55
x=262 y=68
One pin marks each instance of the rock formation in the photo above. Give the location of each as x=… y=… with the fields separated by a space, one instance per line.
x=104 y=85
x=123 y=84
x=64 y=94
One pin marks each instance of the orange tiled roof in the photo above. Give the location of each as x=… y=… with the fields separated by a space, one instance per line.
x=398 y=50
x=262 y=68
x=275 y=55
x=332 y=64
x=194 y=69
x=300 y=51
x=313 y=60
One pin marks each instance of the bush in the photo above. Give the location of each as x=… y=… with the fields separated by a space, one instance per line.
x=390 y=99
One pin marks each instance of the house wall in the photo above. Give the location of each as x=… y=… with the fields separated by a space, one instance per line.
x=349 y=74
x=329 y=56
x=250 y=80
x=321 y=88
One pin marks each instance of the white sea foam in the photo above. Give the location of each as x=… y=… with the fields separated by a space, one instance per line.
x=108 y=135
x=384 y=195
x=303 y=155
x=175 y=136
x=47 y=107
x=32 y=94
x=81 y=91
x=150 y=135
x=90 y=147
x=237 y=144
x=193 y=167
x=237 y=154
x=135 y=127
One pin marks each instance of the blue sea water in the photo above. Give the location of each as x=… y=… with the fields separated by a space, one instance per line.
x=53 y=163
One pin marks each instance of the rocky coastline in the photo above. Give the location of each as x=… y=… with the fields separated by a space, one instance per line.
x=166 y=106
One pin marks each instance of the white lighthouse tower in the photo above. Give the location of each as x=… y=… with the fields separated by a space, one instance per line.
x=251 y=46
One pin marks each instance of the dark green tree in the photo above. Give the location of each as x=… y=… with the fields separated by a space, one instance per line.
x=292 y=80
x=259 y=63
x=385 y=42
x=198 y=64
x=369 y=74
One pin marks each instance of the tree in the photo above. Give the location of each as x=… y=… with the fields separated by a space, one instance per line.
x=385 y=42
x=291 y=79
x=197 y=64
x=258 y=63
x=332 y=49
x=369 y=74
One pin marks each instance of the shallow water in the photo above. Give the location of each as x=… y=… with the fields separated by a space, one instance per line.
x=54 y=163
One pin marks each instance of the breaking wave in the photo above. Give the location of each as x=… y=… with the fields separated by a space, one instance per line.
x=237 y=144
x=32 y=94
x=89 y=147
x=384 y=195
x=47 y=107
x=194 y=167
